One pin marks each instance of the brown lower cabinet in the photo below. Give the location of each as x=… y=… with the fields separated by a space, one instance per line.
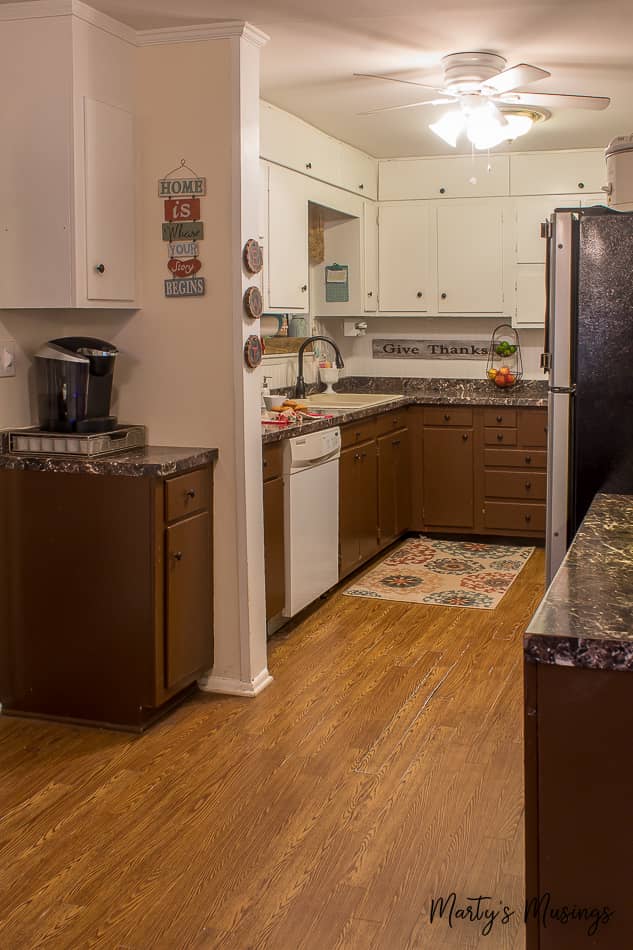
x=394 y=491
x=578 y=777
x=448 y=477
x=358 y=506
x=108 y=594
x=274 y=530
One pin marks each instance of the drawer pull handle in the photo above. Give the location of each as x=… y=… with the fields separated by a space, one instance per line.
x=446 y=417
x=528 y=485
x=528 y=518
x=499 y=419
x=190 y=493
x=465 y=436
x=178 y=555
x=363 y=455
x=396 y=442
x=528 y=459
x=358 y=435
x=500 y=436
x=419 y=293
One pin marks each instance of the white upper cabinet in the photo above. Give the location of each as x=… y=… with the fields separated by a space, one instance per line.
x=404 y=257
x=370 y=257
x=67 y=202
x=287 y=257
x=557 y=173
x=470 y=244
x=530 y=213
x=291 y=142
x=530 y=296
x=452 y=177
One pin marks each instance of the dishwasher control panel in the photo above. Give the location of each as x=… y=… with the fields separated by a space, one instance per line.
x=311 y=449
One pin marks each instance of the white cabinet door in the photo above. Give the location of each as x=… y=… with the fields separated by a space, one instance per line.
x=287 y=240
x=530 y=295
x=110 y=202
x=575 y=171
x=450 y=177
x=470 y=257
x=370 y=257
x=404 y=257
x=530 y=213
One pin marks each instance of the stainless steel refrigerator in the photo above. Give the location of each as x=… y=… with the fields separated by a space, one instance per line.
x=589 y=358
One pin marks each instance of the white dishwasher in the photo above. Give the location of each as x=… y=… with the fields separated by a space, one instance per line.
x=310 y=468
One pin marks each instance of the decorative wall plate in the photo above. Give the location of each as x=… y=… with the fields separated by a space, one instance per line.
x=253 y=303
x=253 y=351
x=253 y=256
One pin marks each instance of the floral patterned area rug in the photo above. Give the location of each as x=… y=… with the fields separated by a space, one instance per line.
x=446 y=573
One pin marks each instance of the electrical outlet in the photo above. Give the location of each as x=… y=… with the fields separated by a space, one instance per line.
x=7 y=358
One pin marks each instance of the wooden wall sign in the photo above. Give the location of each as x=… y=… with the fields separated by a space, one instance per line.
x=182 y=209
x=253 y=256
x=429 y=349
x=253 y=351
x=185 y=287
x=182 y=229
x=253 y=303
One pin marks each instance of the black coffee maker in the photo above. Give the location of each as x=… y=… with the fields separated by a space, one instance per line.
x=74 y=384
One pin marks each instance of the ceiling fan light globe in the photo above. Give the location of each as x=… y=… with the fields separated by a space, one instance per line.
x=449 y=127
x=517 y=124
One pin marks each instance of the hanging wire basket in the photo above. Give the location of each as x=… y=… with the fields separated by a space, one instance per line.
x=504 y=367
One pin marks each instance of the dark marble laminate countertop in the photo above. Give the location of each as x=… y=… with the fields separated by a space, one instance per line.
x=413 y=391
x=586 y=616
x=156 y=461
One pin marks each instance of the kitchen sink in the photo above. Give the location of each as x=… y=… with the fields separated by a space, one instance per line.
x=348 y=400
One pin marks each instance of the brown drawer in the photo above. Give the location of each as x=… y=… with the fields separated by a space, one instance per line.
x=525 y=485
x=390 y=421
x=514 y=516
x=515 y=458
x=448 y=416
x=271 y=460
x=186 y=494
x=500 y=436
x=500 y=417
x=357 y=432
x=533 y=427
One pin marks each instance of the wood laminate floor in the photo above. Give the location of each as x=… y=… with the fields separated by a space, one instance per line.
x=381 y=769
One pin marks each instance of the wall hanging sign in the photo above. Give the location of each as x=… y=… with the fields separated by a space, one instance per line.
x=253 y=256
x=183 y=229
x=253 y=351
x=403 y=349
x=337 y=283
x=253 y=303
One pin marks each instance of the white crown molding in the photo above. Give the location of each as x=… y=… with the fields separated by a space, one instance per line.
x=235 y=687
x=202 y=31
x=39 y=9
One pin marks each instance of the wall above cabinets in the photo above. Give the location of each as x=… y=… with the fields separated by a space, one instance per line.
x=67 y=189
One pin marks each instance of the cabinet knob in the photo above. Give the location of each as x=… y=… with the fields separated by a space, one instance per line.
x=100 y=268
x=500 y=436
x=442 y=191
x=358 y=434
x=361 y=187
x=446 y=417
x=177 y=555
x=304 y=287
x=190 y=493
x=419 y=294
x=265 y=463
x=528 y=459
x=308 y=164
x=370 y=293
x=356 y=457
x=528 y=485
x=363 y=455
x=581 y=184
x=396 y=442
x=499 y=419
x=443 y=296
x=465 y=436
x=528 y=518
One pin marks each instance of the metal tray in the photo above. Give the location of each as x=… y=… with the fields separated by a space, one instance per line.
x=36 y=442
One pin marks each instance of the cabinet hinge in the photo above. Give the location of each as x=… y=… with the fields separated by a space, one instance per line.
x=546 y=229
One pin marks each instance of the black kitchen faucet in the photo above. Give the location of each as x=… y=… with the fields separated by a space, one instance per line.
x=300 y=386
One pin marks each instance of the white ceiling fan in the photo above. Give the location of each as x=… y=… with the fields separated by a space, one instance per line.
x=491 y=107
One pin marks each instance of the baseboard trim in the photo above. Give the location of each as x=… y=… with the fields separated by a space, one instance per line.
x=235 y=687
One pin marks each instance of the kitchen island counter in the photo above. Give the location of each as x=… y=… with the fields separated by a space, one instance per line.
x=586 y=616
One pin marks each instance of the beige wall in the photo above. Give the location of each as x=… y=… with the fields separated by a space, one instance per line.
x=181 y=371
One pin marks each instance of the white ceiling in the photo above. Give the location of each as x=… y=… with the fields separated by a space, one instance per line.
x=316 y=45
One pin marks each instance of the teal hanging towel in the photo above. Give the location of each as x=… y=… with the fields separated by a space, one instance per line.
x=337 y=283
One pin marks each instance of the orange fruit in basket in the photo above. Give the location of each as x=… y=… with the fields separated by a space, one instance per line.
x=500 y=379
x=504 y=371
x=510 y=379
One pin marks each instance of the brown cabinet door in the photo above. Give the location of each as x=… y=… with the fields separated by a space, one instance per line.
x=367 y=501
x=274 y=546
x=394 y=503
x=189 y=637
x=448 y=477
x=533 y=427
x=348 y=511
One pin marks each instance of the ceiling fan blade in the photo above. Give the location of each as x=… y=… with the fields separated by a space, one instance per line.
x=515 y=76
x=411 y=105
x=408 y=82
x=547 y=100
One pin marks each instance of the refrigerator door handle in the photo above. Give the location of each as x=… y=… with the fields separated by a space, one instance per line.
x=546 y=356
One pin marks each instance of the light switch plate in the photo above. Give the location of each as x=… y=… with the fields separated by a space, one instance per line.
x=7 y=358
